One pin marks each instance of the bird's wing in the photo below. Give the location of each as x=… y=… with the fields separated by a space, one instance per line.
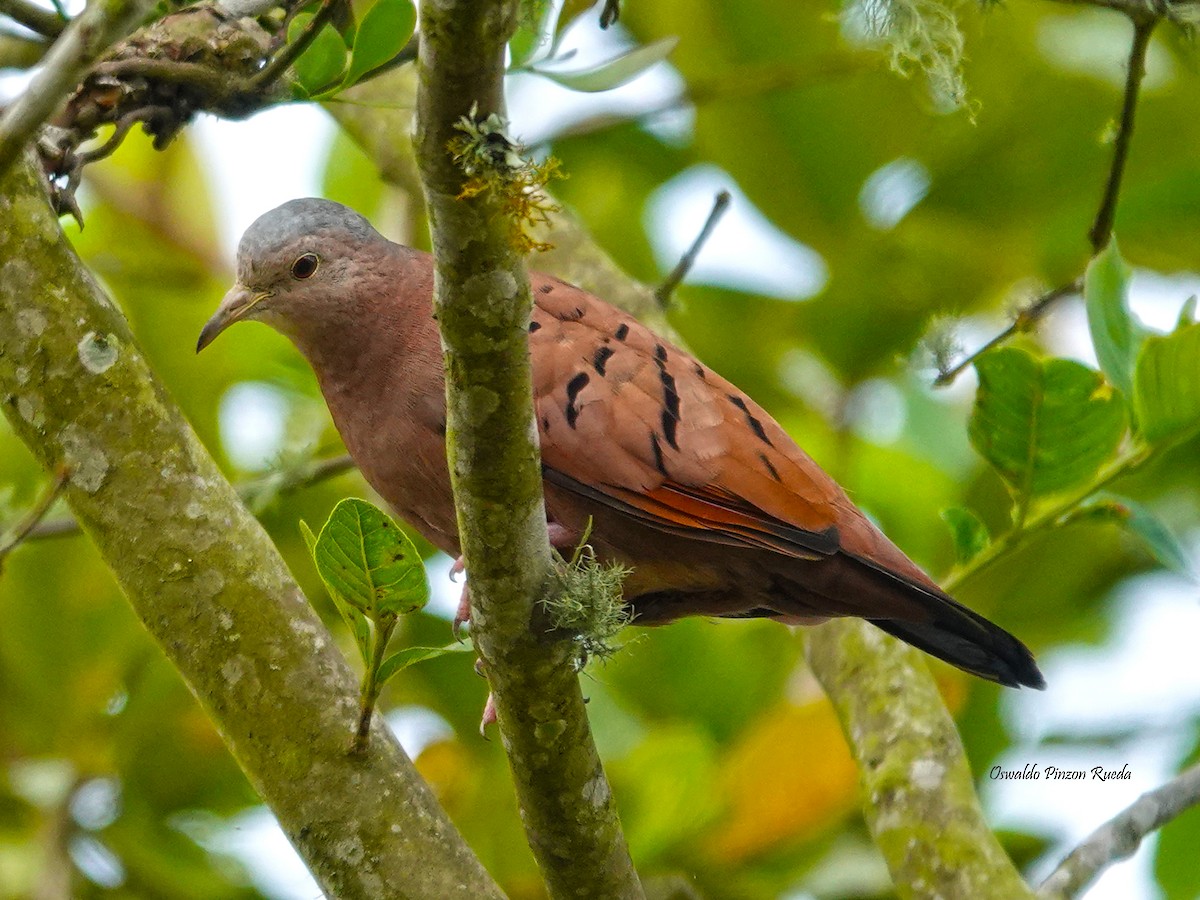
x=632 y=422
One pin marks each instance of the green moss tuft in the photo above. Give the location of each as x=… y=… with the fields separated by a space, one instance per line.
x=495 y=167
x=585 y=600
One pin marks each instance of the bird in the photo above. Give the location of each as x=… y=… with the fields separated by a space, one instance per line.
x=681 y=475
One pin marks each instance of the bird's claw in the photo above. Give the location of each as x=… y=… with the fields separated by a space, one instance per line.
x=489 y=715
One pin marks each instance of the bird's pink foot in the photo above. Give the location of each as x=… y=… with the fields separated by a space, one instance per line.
x=561 y=538
x=489 y=715
x=462 y=615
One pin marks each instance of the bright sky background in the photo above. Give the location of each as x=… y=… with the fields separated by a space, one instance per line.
x=1145 y=678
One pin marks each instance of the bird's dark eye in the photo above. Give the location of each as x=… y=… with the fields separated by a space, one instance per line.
x=305 y=266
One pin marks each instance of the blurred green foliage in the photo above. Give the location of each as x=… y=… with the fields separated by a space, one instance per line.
x=726 y=762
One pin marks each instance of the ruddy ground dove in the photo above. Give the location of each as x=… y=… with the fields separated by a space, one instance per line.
x=684 y=476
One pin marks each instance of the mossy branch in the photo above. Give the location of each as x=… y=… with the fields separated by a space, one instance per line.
x=205 y=578
x=919 y=795
x=483 y=304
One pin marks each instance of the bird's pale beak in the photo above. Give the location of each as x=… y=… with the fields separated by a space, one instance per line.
x=234 y=306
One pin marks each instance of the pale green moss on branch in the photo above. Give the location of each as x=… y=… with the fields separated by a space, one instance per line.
x=919 y=794
x=483 y=304
x=205 y=578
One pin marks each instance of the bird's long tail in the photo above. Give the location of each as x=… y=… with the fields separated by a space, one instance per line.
x=920 y=614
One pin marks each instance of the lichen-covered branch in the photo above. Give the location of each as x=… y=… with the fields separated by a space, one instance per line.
x=483 y=305
x=88 y=35
x=205 y=578
x=918 y=792
x=1120 y=836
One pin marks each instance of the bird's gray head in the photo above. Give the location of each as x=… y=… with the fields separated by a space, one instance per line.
x=297 y=263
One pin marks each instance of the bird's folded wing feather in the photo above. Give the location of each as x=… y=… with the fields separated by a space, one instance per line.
x=639 y=425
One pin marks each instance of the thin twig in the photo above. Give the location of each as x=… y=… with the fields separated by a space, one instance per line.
x=1144 y=22
x=1101 y=230
x=319 y=471
x=90 y=33
x=1025 y=320
x=291 y=52
x=611 y=13
x=33 y=17
x=36 y=513
x=664 y=291
x=1121 y=835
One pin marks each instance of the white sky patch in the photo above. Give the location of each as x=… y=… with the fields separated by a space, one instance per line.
x=253 y=421
x=745 y=251
x=891 y=191
x=443 y=593
x=257 y=164
x=877 y=411
x=255 y=839
x=539 y=108
x=1095 y=44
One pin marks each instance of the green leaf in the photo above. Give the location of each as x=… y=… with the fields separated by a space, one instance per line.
x=364 y=556
x=1142 y=524
x=383 y=32
x=534 y=37
x=1166 y=384
x=969 y=533
x=322 y=63
x=614 y=72
x=355 y=620
x=1116 y=331
x=410 y=656
x=1044 y=426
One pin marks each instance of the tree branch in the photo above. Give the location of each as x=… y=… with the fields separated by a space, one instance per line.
x=1120 y=836
x=1101 y=231
x=91 y=33
x=36 y=513
x=207 y=582
x=1025 y=320
x=663 y=292
x=483 y=305
x=919 y=795
x=33 y=17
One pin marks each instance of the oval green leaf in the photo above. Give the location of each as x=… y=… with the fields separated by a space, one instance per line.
x=410 y=656
x=383 y=32
x=1045 y=426
x=355 y=620
x=363 y=555
x=614 y=72
x=1116 y=331
x=322 y=63
x=1166 y=384
x=968 y=531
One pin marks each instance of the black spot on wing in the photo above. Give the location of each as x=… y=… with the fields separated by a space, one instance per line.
x=670 y=413
x=534 y=326
x=600 y=360
x=622 y=332
x=656 y=449
x=574 y=386
x=700 y=371
x=546 y=288
x=770 y=468
x=755 y=425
